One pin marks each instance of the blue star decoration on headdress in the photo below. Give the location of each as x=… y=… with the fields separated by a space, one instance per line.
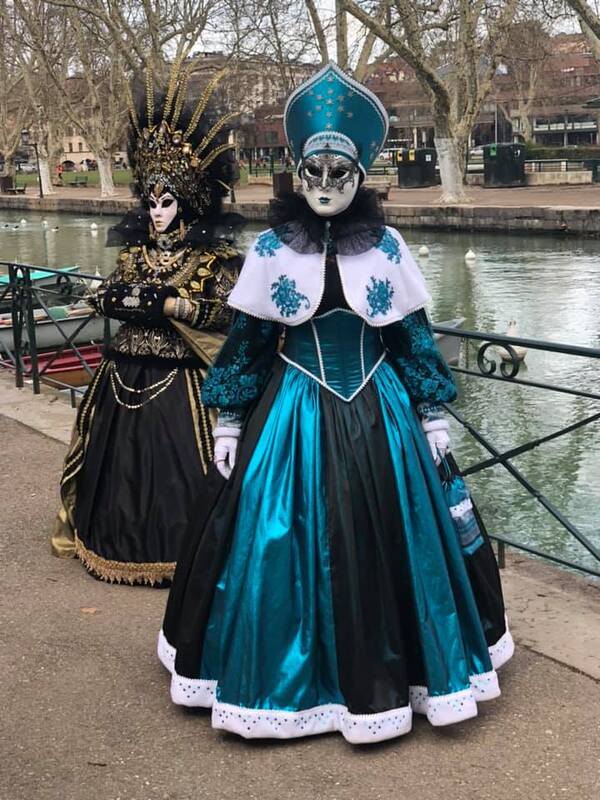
x=333 y=112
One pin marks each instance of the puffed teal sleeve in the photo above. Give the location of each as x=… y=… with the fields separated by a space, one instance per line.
x=413 y=351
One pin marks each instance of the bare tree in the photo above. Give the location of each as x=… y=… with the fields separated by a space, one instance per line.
x=148 y=31
x=454 y=48
x=288 y=35
x=92 y=93
x=47 y=121
x=355 y=51
x=15 y=111
x=111 y=44
x=272 y=32
x=526 y=55
x=588 y=15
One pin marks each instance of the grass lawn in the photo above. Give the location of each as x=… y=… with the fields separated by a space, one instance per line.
x=121 y=177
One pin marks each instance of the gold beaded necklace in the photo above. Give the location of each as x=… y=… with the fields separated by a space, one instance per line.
x=156 y=388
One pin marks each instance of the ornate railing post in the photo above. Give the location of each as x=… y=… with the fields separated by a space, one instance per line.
x=31 y=333
x=16 y=309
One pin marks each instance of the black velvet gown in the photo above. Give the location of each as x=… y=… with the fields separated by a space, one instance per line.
x=142 y=444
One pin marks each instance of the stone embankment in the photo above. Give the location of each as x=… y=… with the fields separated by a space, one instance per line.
x=562 y=210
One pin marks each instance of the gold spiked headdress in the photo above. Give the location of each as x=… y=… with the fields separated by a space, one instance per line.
x=169 y=158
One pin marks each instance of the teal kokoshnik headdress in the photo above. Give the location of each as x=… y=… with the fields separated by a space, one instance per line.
x=332 y=113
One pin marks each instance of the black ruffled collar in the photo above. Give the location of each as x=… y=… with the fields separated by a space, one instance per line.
x=134 y=230
x=354 y=231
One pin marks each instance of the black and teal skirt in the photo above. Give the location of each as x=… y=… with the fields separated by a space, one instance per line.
x=327 y=589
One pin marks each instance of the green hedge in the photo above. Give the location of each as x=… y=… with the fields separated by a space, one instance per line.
x=572 y=153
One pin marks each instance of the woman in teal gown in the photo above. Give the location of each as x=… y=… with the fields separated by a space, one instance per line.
x=331 y=587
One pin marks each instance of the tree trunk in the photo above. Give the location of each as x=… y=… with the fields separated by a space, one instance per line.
x=45 y=176
x=9 y=165
x=527 y=127
x=452 y=158
x=107 y=187
x=341 y=35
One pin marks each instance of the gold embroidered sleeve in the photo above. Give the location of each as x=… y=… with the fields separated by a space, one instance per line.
x=210 y=309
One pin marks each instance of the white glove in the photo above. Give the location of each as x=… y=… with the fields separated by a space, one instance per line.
x=436 y=432
x=226 y=443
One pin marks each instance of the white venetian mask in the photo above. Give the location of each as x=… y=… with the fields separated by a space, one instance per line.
x=163 y=210
x=329 y=183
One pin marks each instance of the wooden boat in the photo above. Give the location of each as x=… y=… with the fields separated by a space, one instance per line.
x=50 y=282
x=66 y=368
x=48 y=328
x=450 y=345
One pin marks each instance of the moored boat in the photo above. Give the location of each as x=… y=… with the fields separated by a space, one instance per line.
x=50 y=331
x=450 y=345
x=67 y=368
x=53 y=283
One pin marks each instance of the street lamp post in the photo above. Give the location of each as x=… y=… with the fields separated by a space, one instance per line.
x=496 y=120
x=25 y=141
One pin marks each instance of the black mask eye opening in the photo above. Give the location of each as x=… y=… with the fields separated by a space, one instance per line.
x=314 y=170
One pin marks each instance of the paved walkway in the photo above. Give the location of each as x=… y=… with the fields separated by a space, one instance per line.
x=86 y=710
x=586 y=196
x=522 y=197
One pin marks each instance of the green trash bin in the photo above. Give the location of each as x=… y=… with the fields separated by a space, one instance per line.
x=503 y=165
x=594 y=165
x=283 y=183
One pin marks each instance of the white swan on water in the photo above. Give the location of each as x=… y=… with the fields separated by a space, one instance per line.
x=520 y=351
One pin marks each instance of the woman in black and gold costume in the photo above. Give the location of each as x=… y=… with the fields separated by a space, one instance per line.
x=136 y=469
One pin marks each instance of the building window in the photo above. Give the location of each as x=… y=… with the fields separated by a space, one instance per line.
x=81 y=147
x=70 y=147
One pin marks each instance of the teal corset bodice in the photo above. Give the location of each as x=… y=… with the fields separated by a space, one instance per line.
x=337 y=349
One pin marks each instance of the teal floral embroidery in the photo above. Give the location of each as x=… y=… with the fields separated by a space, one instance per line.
x=389 y=245
x=229 y=386
x=236 y=378
x=267 y=244
x=379 y=296
x=286 y=297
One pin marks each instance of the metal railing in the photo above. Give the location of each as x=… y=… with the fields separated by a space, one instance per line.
x=555 y=165
x=27 y=298
x=491 y=366
x=35 y=302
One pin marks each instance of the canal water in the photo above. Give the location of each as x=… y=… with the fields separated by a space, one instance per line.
x=550 y=286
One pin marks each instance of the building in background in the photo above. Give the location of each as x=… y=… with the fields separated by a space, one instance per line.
x=77 y=155
x=547 y=107
x=559 y=106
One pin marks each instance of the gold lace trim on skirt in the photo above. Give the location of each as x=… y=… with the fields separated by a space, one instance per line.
x=123 y=571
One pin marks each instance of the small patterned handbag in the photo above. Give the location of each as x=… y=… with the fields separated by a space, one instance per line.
x=461 y=509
